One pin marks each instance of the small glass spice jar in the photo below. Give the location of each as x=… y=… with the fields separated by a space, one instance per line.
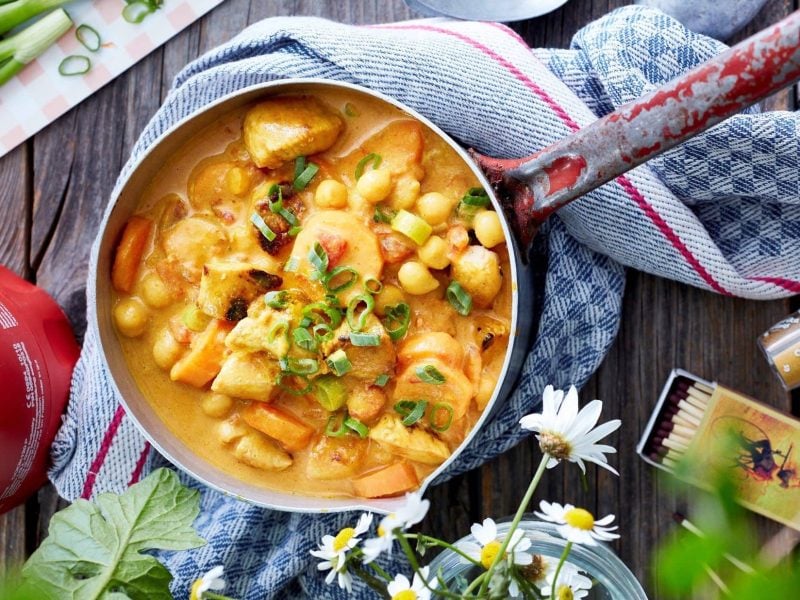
x=781 y=345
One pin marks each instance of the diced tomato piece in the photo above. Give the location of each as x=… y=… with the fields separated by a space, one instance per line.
x=334 y=245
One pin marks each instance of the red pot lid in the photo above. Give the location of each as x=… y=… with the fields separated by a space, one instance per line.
x=37 y=355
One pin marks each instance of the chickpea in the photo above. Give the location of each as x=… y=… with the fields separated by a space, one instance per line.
x=217 y=405
x=390 y=295
x=331 y=194
x=434 y=207
x=416 y=279
x=131 y=316
x=374 y=186
x=237 y=181
x=488 y=229
x=155 y=292
x=434 y=253
x=166 y=349
x=404 y=194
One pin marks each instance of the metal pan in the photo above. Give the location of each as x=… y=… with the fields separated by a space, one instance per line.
x=527 y=189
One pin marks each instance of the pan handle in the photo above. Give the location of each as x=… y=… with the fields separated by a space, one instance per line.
x=534 y=187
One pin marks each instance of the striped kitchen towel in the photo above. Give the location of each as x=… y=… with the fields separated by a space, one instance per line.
x=721 y=212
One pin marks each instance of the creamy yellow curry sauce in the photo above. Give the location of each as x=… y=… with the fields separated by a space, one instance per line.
x=312 y=297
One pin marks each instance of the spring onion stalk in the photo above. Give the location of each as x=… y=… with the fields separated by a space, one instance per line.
x=357 y=319
x=459 y=298
x=412 y=226
x=75 y=64
x=396 y=320
x=356 y=426
x=338 y=363
x=348 y=277
x=331 y=393
x=331 y=429
x=430 y=374
x=88 y=36
x=365 y=339
x=411 y=410
x=276 y=299
x=16 y=13
x=30 y=43
x=382 y=380
x=373 y=158
x=433 y=416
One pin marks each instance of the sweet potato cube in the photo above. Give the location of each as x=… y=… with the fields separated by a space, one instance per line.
x=129 y=253
x=205 y=356
x=292 y=433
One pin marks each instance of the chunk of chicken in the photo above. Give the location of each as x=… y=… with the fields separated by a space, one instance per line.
x=456 y=391
x=246 y=375
x=280 y=129
x=191 y=242
x=413 y=443
x=368 y=362
x=365 y=402
x=266 y=328
x=227 y=288
x=231 y=429
x=255 y=450
x=478 y=271
x=336 y=458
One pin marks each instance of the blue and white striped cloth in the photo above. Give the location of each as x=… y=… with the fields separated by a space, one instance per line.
x=721 y=212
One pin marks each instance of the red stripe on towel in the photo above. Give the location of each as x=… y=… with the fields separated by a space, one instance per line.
x=108 y=438
x=137 y=471
x=787 y=284
x=562 y=114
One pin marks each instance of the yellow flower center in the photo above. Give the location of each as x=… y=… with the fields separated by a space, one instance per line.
x=553 y=444
x=564 y=592
x=489 y=553
x=342 y=538
x=381 y=531
x=194 y=595
x=405 y=595
x=579 y=518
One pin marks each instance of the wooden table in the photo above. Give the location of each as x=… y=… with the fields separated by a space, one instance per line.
x=53 y=189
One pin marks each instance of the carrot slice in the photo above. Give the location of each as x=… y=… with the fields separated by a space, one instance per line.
x=396 y=479
x=129 y=253
x=204 y=359
x=292 y=433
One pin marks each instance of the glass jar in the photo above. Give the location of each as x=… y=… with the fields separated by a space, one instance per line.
x=612 y=579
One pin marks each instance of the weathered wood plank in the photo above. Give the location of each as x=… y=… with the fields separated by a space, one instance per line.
x=15 y=207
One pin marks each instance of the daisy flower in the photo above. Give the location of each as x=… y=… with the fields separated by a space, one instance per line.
x=333 y=552
x=540 y=569
x=577 y=525
x=571 y=584
x=402 y=589
x=212 y=580
x=489 y=545
x=408 y=515
x=564 y=433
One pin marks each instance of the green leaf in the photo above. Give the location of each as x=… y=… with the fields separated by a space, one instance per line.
x=94 y=550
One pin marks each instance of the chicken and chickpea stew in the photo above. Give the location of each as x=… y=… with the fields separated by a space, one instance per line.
x=311 y=296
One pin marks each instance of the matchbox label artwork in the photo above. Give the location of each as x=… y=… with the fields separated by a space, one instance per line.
x=760 y=446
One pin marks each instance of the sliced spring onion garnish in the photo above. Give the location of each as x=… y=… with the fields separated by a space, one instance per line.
x=322 y=332
x=75 y=64
x=295 y=230
x=350 y=110
x=277 y=299
x=396 y=320
x=275 y=196
x=459 y=298
x=281 y=328
x=318 y=259
x=299 y=366
x=320 y=312
x=339 y=363
x=373 y=286
x=430 y=374
x=297 y=385
x=373 y=158
x=135 y=12
x=303 y=339
x=88 y=36
x=340 y=279
x=330 y=392
x=257 y=220
x=357 y=426
x=358 y=319
x=291 y=265
x=412 y=226
x=382 y=380
x=334 y=427
x=434 y=419
x=365 y=339
x=411 y=410
x=476 y=197
x=299 y=166
x=302 y=180
x=383 y=215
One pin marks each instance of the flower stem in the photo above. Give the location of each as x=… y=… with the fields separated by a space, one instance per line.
x=561 y=562
x=475 y=582
x=412 y=558
x=523 y=506
x=443 y=544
